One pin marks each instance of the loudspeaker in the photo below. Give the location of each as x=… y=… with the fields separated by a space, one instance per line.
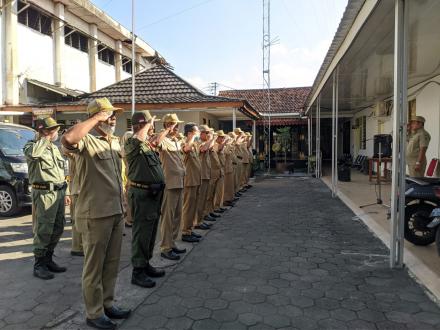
x=386 y=141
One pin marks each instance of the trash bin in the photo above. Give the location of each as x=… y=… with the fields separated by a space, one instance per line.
x=344 y=173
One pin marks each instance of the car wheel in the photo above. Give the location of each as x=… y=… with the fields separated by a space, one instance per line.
x=8 y=202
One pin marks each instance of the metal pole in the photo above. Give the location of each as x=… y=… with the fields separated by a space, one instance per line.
x=333 y=132
x=133 y=61
x=336 y=129
x=254 y=134
x=234 y=119
x=309 y=141
x=399 y=134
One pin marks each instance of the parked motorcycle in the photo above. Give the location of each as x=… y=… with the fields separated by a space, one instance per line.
x=435 y=225
x=422 y=196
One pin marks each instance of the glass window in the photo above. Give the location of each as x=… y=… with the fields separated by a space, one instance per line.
x=12 y=140
x=106 y=55
x=126 y=64
x=76 y=39
x=34 y=19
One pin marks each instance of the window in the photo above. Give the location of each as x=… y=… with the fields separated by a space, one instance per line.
x=35 y=19
x=129 y=125
x=106 y=55
x=76 y=39
x=126 y=64
x=361 y=124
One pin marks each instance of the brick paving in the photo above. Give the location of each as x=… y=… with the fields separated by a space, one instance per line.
x=287 y=257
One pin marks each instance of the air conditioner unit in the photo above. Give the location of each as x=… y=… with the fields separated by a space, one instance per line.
x=381 y=110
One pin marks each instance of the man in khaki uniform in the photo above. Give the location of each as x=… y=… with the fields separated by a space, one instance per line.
x=170 y=151
x=219 y=188
x=251 y=159
x=147 y=183
x=46 y=174
x=417 y=144
x=230 y=165
x=207 y=141
x=193 y=180
x=217 y=174
x=128 y=219
x=99 y=209
x=73 y=191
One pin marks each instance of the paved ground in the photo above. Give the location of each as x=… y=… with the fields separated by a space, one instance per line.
x=288 y=256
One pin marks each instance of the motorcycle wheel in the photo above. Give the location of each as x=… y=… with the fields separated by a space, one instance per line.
x=416 y=221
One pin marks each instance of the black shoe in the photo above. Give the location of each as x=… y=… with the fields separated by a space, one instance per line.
x=154 y=272
x=102 y=322
x=139 y=278
x=128 y=225
x=203 y=226
x=190 y=239
x=170 y=255
x=196 y=235
x=249 y=186
x=179 y=251
x=77 y=253
x=229 y=203
x=219 y=210
x=209 y=218
x=242 y=190
x=117 y=313
x=52 y=265
x=41 y=270
x=224 y=209
x=214 y=215
x=238 y=194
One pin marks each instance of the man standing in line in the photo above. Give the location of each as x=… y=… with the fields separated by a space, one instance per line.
x=193 y=180
x=46 y=175
x=216 y=176
x=418 y=142
x=230 y=164
x=145 y=197
x=99 y=209
x=207 y=142
x=170 y=151
x=219 y=188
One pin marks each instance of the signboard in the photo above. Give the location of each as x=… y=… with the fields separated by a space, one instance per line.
x=42 y=112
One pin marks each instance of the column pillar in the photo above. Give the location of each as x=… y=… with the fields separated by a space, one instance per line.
x=11 y=58
x=234 y=119
x=118 y=60
x=93 y=55
x=59 y=43
x=254 y=134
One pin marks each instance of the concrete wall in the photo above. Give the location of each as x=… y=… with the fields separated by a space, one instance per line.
x=76 y=72
x=105 y=74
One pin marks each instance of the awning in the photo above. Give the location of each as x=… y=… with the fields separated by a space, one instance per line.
x=56 y=89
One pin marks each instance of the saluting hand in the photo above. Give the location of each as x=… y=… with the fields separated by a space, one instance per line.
x=102 y=116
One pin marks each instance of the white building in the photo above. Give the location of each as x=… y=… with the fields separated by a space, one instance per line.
x=52 y=50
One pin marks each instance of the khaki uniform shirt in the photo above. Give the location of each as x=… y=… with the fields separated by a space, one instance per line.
x=416 y=141
x=205 y=161
x=244 y=153
x=144 y=165
x=99 y=169
x=216 y=166
x=45 y=163
x=170 y=151
x=73 y=177
x=193 y=167
x=229 y=158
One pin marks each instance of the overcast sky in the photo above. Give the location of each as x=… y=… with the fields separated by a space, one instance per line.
x=220 y=40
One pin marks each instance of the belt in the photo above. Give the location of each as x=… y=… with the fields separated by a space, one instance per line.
x=239 y=157
x=153 y=186
x=49 y=186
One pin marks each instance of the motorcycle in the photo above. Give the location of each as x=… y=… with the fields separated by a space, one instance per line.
x=422 y=196
x=434 y=225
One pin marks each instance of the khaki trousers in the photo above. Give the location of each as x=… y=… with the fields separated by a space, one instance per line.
x=228 y=187
x=244 y=171
x=77 y=245
x=171 y=218
x=102 y=239
x=417 y=174
x=237 y=178
x=189 y=212
x=209 y=206
x=202 y=201
x=219 y=193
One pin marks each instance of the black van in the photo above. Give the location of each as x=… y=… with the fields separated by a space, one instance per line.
x=15 y=191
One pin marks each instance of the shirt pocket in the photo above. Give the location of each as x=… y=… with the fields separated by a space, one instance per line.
x=46 y=162
x=104 y=155
x=61 y=162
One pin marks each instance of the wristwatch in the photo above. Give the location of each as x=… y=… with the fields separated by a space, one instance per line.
x=417 y=163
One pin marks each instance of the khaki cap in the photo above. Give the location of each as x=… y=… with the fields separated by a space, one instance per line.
x=46 y=123
x=232 y=135
x=220 y=133
x=238 y=131
x=247 y=134
x=205 y=128
x=102 y=104
x=420 y=119
x=140 y=117
x=171 y=118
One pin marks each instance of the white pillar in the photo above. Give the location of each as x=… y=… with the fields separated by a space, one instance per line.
x=254 y=134
x=318 y=137
x=333 y=132
x=336 y=129
x=400 y=99
x=10 y=50
x=234 y=119
x=118 y=60
x=93 y=55
x=309 y=141
x=59 y=43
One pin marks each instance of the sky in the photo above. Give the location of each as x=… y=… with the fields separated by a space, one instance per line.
x=220 y=41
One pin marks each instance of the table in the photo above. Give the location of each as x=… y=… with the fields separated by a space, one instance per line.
x=385 y=161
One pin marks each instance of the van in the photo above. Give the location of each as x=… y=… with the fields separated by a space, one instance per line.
x=15 y=190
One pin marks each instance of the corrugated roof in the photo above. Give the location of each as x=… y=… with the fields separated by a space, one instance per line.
x=282 y=100
x=56 y=89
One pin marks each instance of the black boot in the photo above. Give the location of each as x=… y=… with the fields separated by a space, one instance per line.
x=52 y=266
x=140 y=278
x=41 y=270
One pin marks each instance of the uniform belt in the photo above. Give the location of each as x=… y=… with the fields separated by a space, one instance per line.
x=49 y=186
x=239 y=157
x=153 y=186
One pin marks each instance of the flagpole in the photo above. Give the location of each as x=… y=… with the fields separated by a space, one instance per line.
x=133 y=61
